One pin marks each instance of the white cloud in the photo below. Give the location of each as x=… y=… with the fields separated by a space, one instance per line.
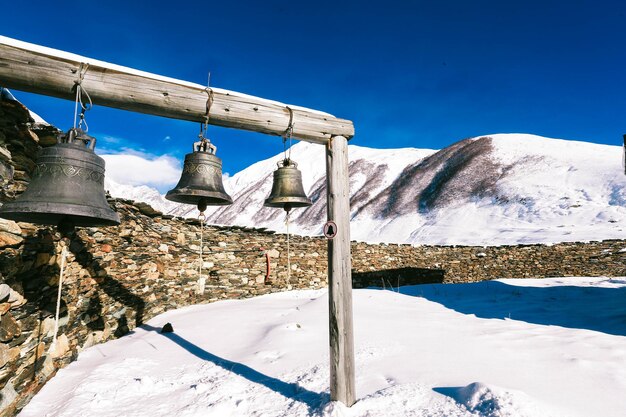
x=112 y=140
x=136 y=168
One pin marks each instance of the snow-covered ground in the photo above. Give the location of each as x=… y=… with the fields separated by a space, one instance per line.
x=517 y=348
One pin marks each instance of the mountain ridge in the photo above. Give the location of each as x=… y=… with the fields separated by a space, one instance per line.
x=494 y=189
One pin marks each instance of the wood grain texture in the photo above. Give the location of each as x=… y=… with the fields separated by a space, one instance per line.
x=342 y=387
x=55 y=75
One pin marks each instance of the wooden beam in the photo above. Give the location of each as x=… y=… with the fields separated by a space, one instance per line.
x=41 y=70
x=340 y=274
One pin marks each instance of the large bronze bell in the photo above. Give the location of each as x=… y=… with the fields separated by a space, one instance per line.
x=66 y=188
x=287 y=190
x=201 y=180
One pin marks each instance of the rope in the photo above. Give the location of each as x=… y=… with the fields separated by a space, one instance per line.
x=209 y=103
x=287 y=134
x=288 y=251
x=82 y=70
x=56 y=318
x=76 y=104
x=202 y=218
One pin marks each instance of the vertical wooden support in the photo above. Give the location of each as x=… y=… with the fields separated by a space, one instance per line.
x=340 y=274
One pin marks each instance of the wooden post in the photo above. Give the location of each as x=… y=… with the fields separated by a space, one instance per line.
x=340 y=274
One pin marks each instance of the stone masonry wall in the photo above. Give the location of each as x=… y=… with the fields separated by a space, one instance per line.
x=409 y=265
x=119 y=277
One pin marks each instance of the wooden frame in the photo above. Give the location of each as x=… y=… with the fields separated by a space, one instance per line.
x=51 y=72
x=40 y=70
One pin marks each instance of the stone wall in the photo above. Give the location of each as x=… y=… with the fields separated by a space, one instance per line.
x=119 y=277
x=409 y=265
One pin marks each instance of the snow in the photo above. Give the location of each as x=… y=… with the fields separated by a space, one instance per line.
x=518 y=348
x=143 y=193
x=549 y=191
x=37 y=118
x=94 y=62
x=536 y=190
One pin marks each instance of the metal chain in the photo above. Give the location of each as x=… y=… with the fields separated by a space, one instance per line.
x=84 y=108
x=82 y=70
x=58 y=310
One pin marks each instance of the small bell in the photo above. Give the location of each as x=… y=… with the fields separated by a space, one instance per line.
x=201 y=180
x=66 y=188
x=287 y=190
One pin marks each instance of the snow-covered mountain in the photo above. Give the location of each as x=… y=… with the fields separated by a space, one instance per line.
x=498 y=189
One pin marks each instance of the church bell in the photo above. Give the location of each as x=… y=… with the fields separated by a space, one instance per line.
x=66 y=187
x=287 y=190
x=201 y=180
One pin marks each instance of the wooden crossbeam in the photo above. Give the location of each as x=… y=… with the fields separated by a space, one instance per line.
x=41 y=70
x=37 y=69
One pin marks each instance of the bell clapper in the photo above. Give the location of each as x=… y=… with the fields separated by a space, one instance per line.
x=66 y=227
x=202 y=205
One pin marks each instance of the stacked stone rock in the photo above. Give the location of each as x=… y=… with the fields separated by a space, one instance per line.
x=119 y=277
x=393 y=265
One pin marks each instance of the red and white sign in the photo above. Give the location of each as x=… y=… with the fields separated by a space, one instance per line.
x=330 y=229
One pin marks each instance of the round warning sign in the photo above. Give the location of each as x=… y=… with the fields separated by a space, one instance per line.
x=330 y=229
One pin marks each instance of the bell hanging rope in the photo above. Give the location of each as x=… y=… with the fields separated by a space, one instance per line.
x=67 y=185
x=66 y=188
x=287 y=189
x=201 y=181
x=287 y=193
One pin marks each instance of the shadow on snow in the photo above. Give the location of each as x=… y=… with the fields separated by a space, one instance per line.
x=591 y=308
x=313 y=400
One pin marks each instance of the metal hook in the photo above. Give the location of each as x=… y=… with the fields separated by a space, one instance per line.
x=288 y=133
x=289 y=130
x=209 y=103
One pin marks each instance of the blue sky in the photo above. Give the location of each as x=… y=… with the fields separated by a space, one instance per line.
x=408 y=73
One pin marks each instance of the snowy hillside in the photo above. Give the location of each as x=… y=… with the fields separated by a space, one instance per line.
x=505 y=348
x=499 y=189
x=138 y=193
